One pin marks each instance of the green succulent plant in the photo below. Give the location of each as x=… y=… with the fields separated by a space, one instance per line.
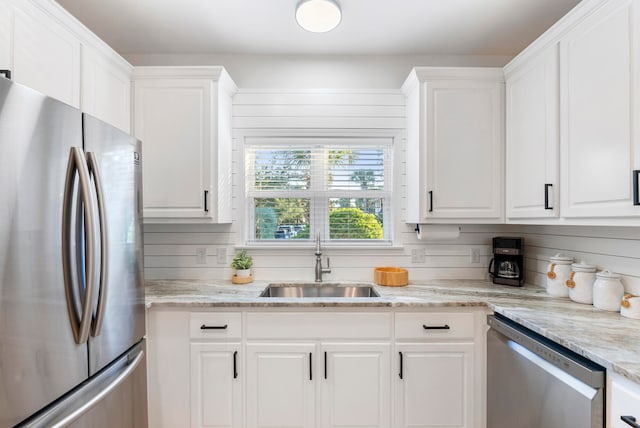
x=242 y=261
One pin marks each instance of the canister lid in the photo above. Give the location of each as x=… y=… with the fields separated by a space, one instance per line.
x=582 y=267
x=607 y=274
x=561 y=259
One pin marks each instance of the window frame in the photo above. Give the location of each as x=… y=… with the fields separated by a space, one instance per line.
x=245 y=207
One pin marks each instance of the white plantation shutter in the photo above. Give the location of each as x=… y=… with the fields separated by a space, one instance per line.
x=338 y=187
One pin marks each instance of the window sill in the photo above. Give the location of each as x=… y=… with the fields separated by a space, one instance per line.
x=361 y=249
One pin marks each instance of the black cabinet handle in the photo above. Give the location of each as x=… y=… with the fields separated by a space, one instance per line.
x=6 y=73
x=546 y=196
x=636 y=190
x=401 y=374
x=325 y=365
x=213 y=327
x=206 y=201
x=430 y=201
x=310 y=366
x=235 y=364
x=630 y=420
x=436 y=327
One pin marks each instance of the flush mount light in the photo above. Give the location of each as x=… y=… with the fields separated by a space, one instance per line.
x=318 y=16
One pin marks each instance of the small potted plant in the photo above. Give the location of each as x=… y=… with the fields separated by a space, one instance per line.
x=242 y=263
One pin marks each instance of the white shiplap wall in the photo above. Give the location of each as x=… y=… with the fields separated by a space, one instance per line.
x=170 y=250
x=613 y=248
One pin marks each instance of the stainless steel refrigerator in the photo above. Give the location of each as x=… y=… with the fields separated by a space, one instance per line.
x=72 y=350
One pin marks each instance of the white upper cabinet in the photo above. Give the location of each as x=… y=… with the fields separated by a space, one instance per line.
x=106 y=87
x=532 y=137
x=46 y=56
x=183 y=117
x=48 y=50
x=600 y=111
x=455 y=146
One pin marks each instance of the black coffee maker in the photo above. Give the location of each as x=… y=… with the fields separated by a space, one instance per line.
x=507 y=265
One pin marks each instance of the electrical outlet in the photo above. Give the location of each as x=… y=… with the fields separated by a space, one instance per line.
x=201 y=256
x=222 y=256
x=418 y=255
x=474 y=255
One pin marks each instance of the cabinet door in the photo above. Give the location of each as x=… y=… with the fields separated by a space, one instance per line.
x=216 y=390
x=173 y=120
x=532 y=139
x=281 y=385
x=625 y=401
x=46 y=57
x=435 y=385
x=106 y=88
x=355 y=385
x=464 y=150
x=599 y=145
x=168 y=368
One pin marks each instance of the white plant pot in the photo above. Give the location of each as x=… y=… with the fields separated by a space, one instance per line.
x=243 y=273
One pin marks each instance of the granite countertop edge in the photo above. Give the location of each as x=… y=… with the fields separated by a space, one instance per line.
x=606 y=338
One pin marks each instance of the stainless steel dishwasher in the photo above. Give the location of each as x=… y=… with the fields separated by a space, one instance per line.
x=533 y=382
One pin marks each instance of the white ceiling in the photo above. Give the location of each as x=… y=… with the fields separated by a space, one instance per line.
x=368 y=27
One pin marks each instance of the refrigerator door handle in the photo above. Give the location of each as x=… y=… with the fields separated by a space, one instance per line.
x=94 y=170
x=67 y=412
x=80 y=326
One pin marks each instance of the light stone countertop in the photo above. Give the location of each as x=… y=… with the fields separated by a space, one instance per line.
x=606 y=338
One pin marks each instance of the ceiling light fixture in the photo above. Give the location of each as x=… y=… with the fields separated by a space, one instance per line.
x=318 y=16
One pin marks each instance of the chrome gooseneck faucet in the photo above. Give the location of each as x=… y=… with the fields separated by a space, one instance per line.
x=319 y=269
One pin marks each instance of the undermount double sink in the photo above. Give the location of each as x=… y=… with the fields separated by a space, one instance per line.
x=319 y=290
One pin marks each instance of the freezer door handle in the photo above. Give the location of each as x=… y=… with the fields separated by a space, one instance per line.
x=94 y=170
x=122 y=376
x=80 y=325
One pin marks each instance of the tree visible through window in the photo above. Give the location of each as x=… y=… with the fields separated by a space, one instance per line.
x=339 y=188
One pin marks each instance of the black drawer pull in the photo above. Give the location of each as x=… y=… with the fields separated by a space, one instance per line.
x=310 y=366
x=630 y=420
x=636 y=190
x=325 y=365
x=213 y=327
x=436 y=327
x=235 y=364
x=401 y=374
x=546 y=196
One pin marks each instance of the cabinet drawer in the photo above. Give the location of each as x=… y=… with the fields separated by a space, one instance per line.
x=215 y=325
x=297 y=325
x=427 y=326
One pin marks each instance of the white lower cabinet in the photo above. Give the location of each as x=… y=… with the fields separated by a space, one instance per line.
x=264 y=369
x=435 y=385
x=216 y=386
x=440 y=374
x=624 y=409
x=355 y=385
x=280 y=385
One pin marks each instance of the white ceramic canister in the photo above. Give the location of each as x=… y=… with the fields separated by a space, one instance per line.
x=558 y=272
x=580 y=282
x=607 y=291
x=630 y=306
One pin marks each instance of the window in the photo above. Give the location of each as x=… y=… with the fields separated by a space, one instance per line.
x=337 y=187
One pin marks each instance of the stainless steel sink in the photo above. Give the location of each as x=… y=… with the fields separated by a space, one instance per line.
x=327 y=290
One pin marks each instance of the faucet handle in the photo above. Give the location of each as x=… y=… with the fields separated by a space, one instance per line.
x=328 y=268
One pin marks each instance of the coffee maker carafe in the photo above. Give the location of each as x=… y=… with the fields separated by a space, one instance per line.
x=507 y=265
